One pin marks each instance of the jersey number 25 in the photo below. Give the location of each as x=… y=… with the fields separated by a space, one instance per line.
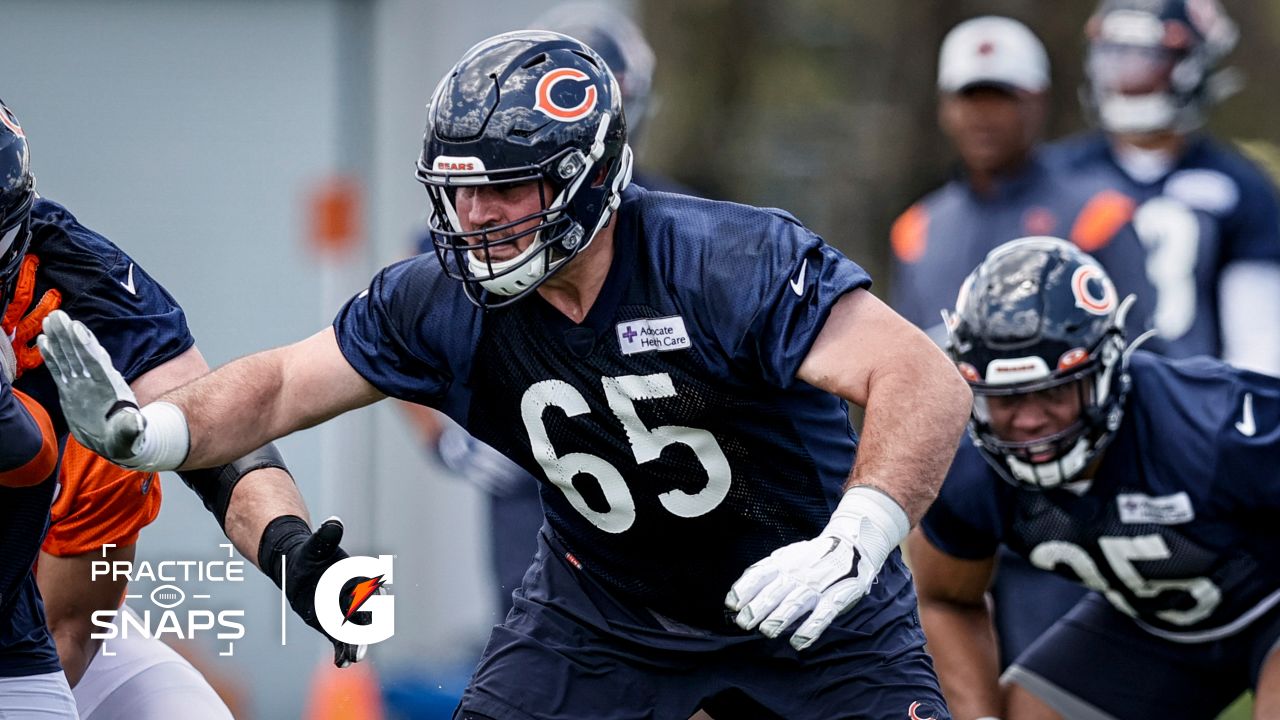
x=1121 y=553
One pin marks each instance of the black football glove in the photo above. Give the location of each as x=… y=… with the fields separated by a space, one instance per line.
x=307 y=555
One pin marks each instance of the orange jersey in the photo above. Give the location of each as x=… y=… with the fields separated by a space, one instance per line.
x=98 y=503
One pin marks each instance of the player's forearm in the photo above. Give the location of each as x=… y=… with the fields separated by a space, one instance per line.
x=916 y=411
x=259 y=498
x=235 y=409
x=963 y=645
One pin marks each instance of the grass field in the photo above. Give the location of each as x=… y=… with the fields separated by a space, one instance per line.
x=1241 y=709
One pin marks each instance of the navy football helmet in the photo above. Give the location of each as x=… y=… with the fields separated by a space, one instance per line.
x=522 y=107
x=1039 y=314
x=17 y=194
x=617 y=40
x=1151 y=64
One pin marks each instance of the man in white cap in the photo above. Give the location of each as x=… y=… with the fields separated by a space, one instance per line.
x=992 y=76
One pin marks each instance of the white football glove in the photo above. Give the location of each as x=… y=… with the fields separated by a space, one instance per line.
x=826 y=575
x=101 y=410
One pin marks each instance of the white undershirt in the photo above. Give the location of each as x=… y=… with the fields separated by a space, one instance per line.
x=1144 y=166
x=1249 y=315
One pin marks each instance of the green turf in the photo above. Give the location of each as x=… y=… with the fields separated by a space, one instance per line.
x=1241 y=709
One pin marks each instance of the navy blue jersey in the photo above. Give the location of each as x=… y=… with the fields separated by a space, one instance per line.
x=675 y=444
x=1177 y=528
x=141 y=326
x=939 y=240
x=135 y=319
x=1214 y=207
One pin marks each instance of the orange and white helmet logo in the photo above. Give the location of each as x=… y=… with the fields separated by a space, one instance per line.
x=1086 y=299
x=547 y=104
x=11 y=122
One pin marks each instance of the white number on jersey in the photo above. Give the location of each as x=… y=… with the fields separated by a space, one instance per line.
x=1121 y=552
x=1170 y=234
x=647 y=445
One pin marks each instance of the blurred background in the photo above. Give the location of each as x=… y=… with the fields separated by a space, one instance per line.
x=256 y=156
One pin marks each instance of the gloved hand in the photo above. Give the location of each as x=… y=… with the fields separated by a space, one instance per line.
x=101 y=410
x=826 y=575
x=306 y=557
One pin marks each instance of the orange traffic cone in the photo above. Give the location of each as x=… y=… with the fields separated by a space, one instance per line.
x=349 y=693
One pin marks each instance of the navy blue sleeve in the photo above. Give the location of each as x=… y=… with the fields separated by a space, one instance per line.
x=1252 y=231
x=23 y=438
x=967 y=520
x=397 y=333
x=1248 y=443
x=767 y=299
x=135 y=318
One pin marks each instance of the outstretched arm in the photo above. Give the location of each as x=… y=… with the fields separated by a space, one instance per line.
x=208 y=422
x=212 y=422
x=267 y=395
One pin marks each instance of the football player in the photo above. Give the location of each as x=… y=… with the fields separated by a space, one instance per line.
x=674 y=370
x=1207 y=218
x=55 y=262
x=1146 y=479
x=31 y=681
x=515 y=509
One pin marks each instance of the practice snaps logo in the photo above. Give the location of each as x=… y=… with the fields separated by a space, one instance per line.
x=165 y=616
x=366 y=596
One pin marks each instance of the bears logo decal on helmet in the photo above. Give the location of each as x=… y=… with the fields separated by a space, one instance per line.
x=546 y=94
x=1083 y=283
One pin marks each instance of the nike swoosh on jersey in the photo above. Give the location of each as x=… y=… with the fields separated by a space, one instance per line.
x=133 y=290
x=797 y=283
x=1247 y=426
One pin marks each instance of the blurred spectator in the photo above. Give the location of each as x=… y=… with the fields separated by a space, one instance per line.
x=993 y=74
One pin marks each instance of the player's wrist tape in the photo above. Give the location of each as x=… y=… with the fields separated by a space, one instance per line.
x=214 y=486
x=279 y=538
x=872 y=518
x=165 y=440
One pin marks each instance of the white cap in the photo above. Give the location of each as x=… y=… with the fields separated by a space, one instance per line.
x=992 y=50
